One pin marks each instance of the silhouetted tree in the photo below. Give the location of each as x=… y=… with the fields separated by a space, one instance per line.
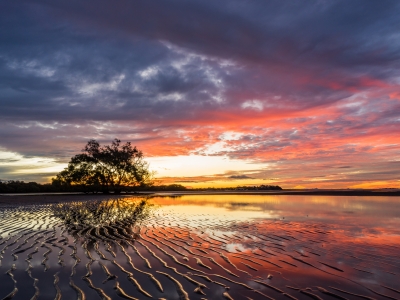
x=106 y=168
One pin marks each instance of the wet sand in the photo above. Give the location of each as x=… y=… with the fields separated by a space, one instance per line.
x=52 y=198
x=189 y=254
x=60 y=197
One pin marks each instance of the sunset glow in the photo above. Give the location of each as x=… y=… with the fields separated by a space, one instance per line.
x=215 y=93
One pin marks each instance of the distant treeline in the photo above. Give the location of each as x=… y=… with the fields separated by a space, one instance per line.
x=30 y=187
x=260 y=187
x=242 y=188
x=170 y=187
x=58 y=187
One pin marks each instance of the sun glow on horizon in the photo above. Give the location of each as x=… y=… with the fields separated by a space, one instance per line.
x=192 y=171
x=21 y=166
x=200 y=165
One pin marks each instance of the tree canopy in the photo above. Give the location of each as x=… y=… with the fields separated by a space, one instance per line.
x=106 y=168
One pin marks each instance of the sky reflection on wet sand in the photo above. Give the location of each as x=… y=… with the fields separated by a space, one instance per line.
x=358 y=235
x=238 y=246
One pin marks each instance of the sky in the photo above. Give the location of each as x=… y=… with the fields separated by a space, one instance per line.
x=301 y=94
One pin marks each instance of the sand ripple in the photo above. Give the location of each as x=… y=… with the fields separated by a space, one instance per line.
x=175 y=256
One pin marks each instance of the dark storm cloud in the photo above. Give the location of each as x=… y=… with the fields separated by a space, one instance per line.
x=255 y=30
x=51 y=51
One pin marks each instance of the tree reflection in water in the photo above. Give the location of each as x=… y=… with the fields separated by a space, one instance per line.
x=114 y=219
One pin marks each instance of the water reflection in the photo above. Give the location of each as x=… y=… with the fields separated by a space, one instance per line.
x=353 y=210
x=347 y=242
x=113 y=219
x=213 y=247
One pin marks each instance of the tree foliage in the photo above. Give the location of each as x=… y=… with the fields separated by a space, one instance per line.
x=106 y=168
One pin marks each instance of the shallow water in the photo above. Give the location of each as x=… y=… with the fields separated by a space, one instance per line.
x=225 y=246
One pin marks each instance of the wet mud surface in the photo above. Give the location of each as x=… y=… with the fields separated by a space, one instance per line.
x=183 y=253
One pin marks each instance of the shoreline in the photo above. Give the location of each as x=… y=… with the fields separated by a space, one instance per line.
x=26 y=198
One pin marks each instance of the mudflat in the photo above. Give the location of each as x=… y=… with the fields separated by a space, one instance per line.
x=67 y=197
x=199 y=246
x=52 y=198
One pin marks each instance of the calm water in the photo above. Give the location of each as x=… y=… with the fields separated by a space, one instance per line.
x=204 y=247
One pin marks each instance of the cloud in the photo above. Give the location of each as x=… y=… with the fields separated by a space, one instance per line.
x=240 y=177
x=253 y=104
x=185 y=181
x=286 y=84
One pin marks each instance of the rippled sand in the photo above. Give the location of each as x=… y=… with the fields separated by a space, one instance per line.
x=178 y=252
